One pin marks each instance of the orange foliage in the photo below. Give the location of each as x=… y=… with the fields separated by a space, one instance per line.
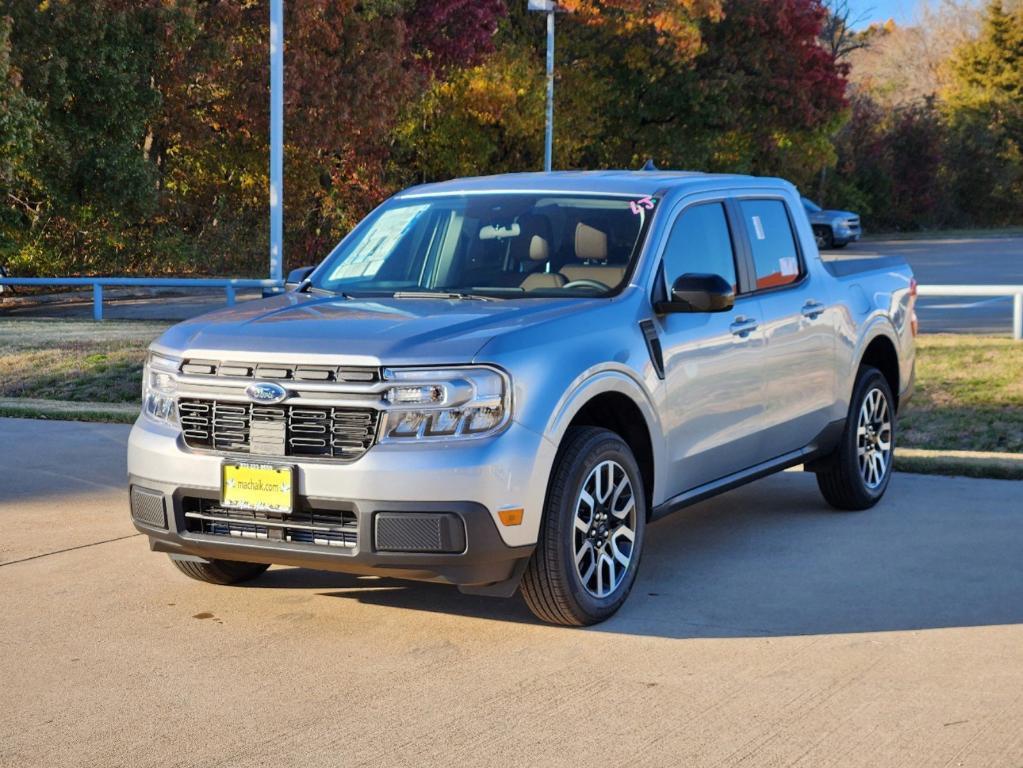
x=673 y=21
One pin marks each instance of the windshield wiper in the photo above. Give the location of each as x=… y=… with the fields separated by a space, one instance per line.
x=439 y=295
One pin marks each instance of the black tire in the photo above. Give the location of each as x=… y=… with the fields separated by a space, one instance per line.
x=838 y=246
x=220 y=571
x=840 y=478
x=553 y=586
x=825 y=238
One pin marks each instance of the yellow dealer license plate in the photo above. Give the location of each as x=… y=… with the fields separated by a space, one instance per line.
x=261 y=487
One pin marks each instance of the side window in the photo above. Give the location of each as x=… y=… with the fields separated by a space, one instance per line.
x=700 y=242
x=775 y=257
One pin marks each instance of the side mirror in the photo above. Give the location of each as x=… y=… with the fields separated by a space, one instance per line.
x=698 y=293
x=296 y=276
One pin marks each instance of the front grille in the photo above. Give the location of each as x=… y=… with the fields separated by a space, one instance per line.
x=286 y=371
x=320 y=527
x=278 y=430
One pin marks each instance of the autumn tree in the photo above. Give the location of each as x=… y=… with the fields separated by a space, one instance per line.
x=153 y=116
x=737 y=85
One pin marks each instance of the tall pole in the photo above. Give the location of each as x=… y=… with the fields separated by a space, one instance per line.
x=276 y=139
x=548 y=150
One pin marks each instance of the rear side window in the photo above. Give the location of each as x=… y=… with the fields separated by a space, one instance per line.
x=775 y=256
x=700 y=242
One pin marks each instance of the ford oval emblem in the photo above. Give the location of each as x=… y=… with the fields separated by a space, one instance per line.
x=266 y=392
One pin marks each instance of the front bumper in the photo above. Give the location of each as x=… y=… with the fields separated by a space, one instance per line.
x=472 y=481
x=846 y=235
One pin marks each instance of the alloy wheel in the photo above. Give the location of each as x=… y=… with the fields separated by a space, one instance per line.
x=605 y=528
x=874 y=438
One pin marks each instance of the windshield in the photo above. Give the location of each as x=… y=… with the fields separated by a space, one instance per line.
x=810 y=205
x=493 y=245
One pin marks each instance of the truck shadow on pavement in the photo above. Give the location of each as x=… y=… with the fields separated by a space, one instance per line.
x=773 y=560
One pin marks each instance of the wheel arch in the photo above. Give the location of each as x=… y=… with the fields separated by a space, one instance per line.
x=616 y=401
x=881 y=352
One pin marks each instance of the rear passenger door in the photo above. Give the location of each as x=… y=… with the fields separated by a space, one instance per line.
x=799 y=359
x=712 y=361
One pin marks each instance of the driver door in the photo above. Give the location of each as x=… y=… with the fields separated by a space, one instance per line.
x=713 y=360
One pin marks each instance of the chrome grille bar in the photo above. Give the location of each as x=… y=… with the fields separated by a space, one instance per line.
x=283 y=430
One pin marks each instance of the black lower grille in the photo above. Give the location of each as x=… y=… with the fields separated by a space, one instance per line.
x=278 y=430
x=322 y=527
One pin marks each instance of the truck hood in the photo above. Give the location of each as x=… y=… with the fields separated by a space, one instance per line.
x=295 y=327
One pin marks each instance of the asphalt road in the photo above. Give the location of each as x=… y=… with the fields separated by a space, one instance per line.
x=764 y=629
x=961 y=261
x=995 y=260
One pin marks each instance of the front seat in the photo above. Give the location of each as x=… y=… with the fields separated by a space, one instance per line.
x=533 y=251
x=591 y=251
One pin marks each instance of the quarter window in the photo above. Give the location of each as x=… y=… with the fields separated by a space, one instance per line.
x=775 y=256
x=700 y=242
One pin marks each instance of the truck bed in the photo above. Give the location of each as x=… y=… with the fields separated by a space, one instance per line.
x=847 y=267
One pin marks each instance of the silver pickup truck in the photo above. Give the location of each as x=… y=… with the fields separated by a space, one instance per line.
x=500 y=382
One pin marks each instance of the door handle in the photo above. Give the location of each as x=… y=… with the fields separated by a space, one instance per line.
x=743 y=326
x=813 y=309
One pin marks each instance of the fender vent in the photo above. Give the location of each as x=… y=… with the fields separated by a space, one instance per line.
x=653 y=346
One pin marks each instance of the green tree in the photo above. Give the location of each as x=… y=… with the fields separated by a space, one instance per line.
x=89 y=68
x=19 y=130
x=984 y=108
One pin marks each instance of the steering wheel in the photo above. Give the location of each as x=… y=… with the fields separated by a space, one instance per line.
x=587 y=283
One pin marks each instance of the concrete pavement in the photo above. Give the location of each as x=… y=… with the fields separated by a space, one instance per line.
x=764 y=630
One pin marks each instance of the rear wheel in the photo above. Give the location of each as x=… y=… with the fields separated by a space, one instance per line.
x=220 y=571
x=591 y=536
x=856 y=476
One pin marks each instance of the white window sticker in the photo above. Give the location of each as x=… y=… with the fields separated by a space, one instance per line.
x=378 y=244
x=789 y=266
x=758 y=226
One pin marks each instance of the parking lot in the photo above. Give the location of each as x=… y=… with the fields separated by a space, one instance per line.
x=764 y=629
x=955 y=261
x=939 y=261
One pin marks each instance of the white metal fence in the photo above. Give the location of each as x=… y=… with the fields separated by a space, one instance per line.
x=229 y=286
x=996 y=291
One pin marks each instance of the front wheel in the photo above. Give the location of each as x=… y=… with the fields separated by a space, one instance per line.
x=219 y=571
x=856 y=476
x=591 y=536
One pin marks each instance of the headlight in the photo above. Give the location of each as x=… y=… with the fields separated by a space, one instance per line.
x=445 y=403
x=159 y=388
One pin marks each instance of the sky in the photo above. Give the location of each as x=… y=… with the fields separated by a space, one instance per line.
x=869 y=11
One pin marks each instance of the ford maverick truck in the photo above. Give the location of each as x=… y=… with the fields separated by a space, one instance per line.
x=500 y=382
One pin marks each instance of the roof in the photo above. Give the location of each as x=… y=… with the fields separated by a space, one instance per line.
x=605 y=182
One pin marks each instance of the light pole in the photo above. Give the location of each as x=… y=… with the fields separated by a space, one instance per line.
x=549 y=7
x=276 y=139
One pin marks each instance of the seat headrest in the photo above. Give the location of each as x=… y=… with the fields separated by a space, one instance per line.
x=533 y=242
x=539 y=249
x=590 y=243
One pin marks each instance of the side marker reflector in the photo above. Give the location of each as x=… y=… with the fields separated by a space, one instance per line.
x=510 y=516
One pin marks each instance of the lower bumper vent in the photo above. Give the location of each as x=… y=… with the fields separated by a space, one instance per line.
x=320 y=527
x=148 y=507
x=432 y=532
